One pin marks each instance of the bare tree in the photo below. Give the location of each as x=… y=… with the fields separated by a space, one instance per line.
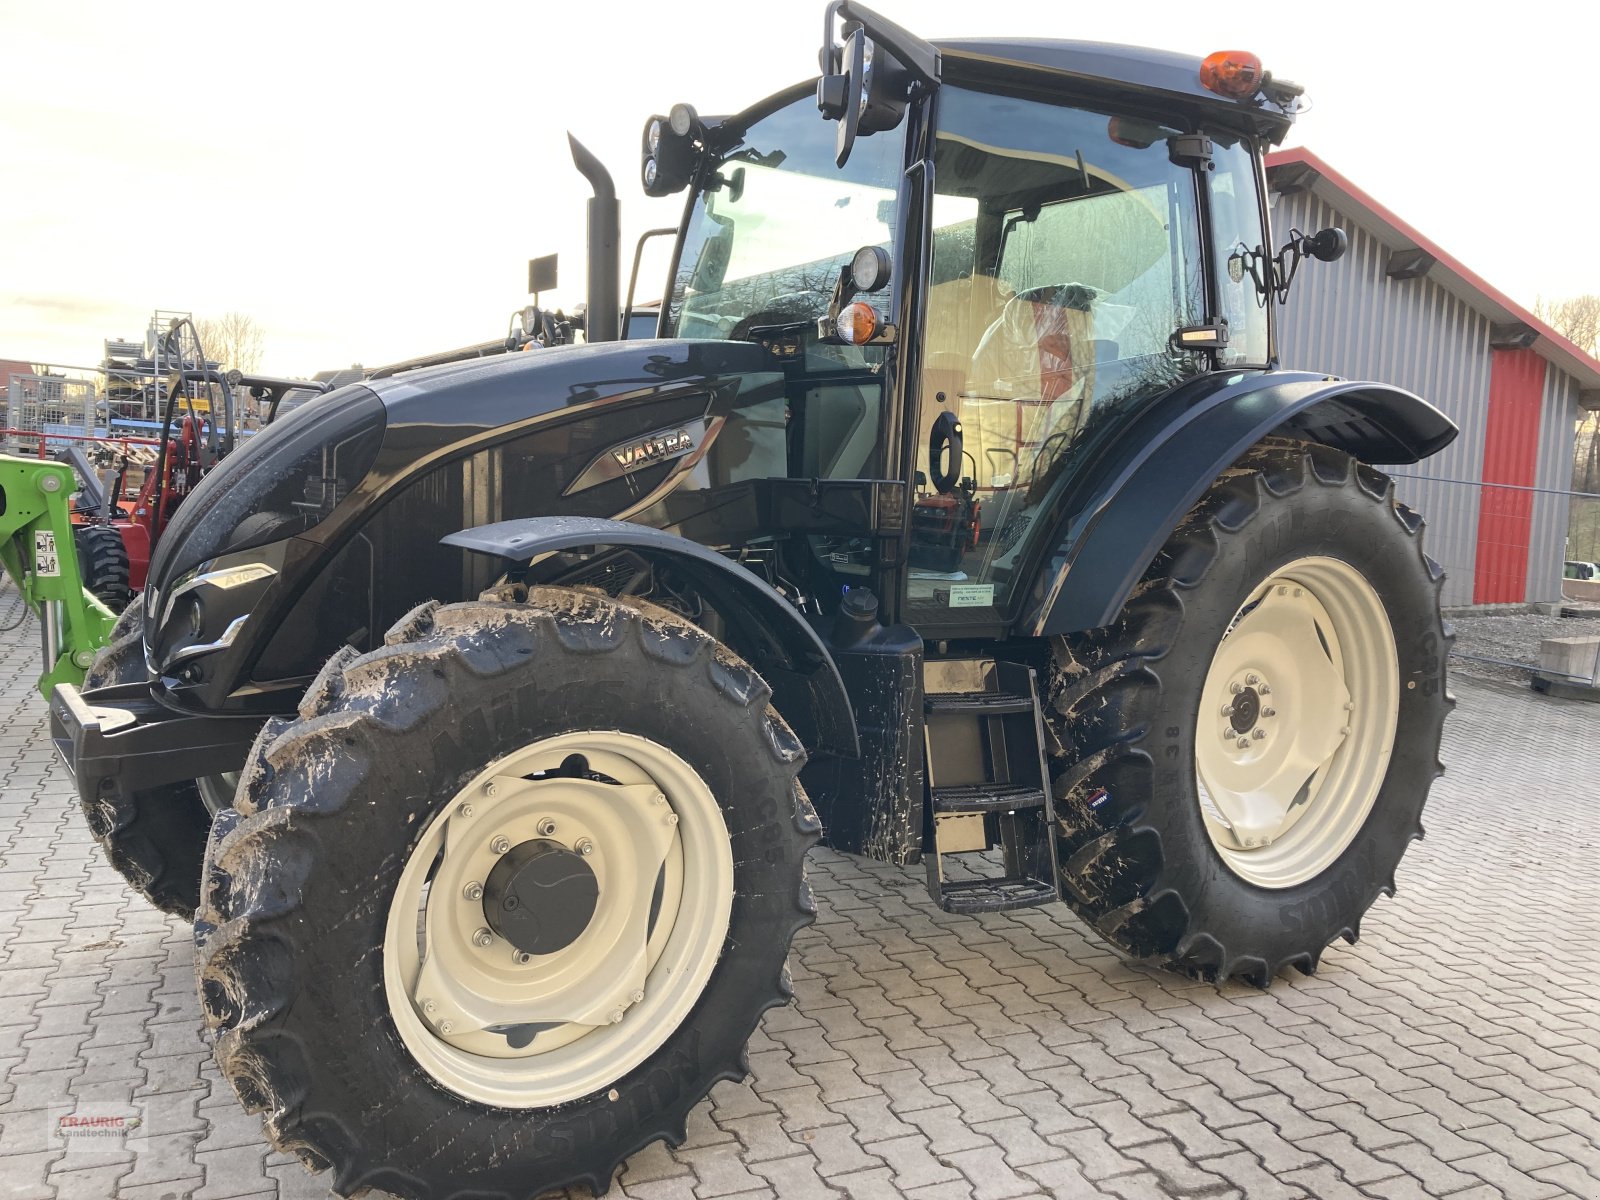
x=1578 y=320
x=233 y=339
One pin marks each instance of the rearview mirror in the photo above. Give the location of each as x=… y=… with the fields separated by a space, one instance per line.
x=1328 y=245
x=869 y=77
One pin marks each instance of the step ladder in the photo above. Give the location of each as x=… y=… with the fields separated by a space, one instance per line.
x=987 y=787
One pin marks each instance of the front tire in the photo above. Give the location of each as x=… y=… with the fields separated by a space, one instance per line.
x=153 y=838
x=103 y=563
x=1250 y=745
x=368 y=986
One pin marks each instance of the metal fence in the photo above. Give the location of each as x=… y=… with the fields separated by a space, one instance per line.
x=1508 y=545
x=51 y=404
x=1503 y=543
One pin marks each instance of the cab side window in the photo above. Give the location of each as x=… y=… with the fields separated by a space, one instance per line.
x=1241 y=250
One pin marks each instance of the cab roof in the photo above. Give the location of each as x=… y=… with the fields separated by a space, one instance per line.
x=1157 y=74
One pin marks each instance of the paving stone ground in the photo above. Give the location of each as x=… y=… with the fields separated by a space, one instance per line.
x=1455 y=1051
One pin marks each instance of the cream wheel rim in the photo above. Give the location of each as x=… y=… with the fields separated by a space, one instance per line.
x=500 y=1026
x=1297 y=722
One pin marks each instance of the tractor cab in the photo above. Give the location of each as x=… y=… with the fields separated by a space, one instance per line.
x=990 y=260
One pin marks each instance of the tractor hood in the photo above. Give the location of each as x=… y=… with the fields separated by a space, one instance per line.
x=290 y=533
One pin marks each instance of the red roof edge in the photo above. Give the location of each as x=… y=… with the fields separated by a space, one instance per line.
x=1550 y=344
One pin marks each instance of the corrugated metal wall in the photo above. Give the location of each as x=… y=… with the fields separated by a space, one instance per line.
x=1349 y=318
x=1547 y=545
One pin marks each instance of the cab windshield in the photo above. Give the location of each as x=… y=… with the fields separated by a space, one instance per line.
x=765 y=244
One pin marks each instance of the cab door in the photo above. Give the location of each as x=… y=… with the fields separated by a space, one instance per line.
x=1066 y=256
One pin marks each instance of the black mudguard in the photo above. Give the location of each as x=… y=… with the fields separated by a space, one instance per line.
x=762 y=626
x=1131 y=498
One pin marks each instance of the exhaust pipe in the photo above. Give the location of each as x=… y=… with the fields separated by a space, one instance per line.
x=603 y=318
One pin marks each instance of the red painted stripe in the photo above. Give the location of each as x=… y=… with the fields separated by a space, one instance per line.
x=1510 y=455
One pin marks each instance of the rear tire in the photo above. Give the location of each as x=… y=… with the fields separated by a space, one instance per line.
x=154 y=838
x=399 y=1068
x=1250 y=745
x=103 y=563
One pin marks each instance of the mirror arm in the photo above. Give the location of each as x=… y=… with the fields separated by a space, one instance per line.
x=918 y=56
x=1328 y=245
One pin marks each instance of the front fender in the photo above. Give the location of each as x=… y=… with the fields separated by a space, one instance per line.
x=762 y=626
x=1156 y=472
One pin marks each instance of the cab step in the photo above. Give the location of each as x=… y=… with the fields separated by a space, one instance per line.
x=995 y=895
x=986 y=788
x=988 y=704
x=987 y=798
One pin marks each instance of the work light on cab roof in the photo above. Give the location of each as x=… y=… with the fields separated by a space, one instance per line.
x=670 y=146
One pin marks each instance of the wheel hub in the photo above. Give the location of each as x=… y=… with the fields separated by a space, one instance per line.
x=540 y=896
x=1246 y=709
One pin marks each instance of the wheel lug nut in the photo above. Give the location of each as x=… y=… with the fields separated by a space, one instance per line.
x=1236 y=688
x=522 y=957
x=465 y=810
x=659 y=798
x=491 y=789
x=1227 y=710
x=473 y=891
x=1269 y=712
x=1265 y=690
x=671 y=818
x=1283 y=591
x=500 y=845
x=546 y=827
x=447 y=1027
x=636 y=997
x=1244 y=743
x=616 y=1016
x=1252 y=679
x=584 y=847
x=482 y=938
x=1258 y=734
x=428 y=1006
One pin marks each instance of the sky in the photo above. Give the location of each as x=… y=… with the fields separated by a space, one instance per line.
x=367 y=181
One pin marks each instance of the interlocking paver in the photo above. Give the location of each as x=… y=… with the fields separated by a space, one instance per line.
x=1454 y=1052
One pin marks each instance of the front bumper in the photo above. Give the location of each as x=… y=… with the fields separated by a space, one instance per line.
x=121 y=740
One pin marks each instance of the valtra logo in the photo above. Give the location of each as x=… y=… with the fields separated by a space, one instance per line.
x=653 y=449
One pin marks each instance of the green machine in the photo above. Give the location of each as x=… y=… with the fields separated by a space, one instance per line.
x=38 y=553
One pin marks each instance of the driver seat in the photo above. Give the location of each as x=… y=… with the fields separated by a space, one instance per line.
x=1032 y=379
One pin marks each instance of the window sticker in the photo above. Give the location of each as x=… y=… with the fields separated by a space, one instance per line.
x=971 y=595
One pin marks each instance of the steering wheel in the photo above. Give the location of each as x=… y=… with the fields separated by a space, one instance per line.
x=791 y=308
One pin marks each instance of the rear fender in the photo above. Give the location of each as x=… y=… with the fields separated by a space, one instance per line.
x=762 y=626
x=1132 y=500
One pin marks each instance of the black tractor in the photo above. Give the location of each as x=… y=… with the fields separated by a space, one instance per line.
x=960 y=515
